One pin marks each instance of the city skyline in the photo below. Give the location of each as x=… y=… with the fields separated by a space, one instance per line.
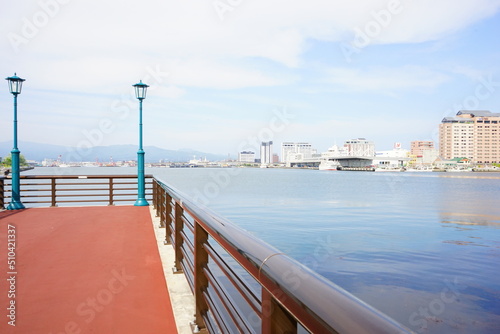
x=225 y=75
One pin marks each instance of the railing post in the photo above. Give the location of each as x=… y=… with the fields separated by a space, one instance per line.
x=53 y=191
x=200 y=280
x=178 y=240
x=2 y=194
x=111 y=185
x=161 y=207
x=155 y=197
x=166 y=212
x=275 y=319
x=166 y=215
x=160 y=204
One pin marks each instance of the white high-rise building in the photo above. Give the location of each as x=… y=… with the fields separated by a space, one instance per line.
x=290 y=150
x=266 y=153
x=359 y=148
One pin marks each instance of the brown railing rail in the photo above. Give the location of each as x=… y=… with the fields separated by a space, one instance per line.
x=73 y=189
x=243 y=285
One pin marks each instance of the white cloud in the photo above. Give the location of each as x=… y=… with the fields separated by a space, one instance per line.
x=405 y=21
x=107 y=41
x=430 y=20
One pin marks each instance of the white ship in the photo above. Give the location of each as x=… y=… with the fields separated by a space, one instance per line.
x=328 y=158
x=329 y=165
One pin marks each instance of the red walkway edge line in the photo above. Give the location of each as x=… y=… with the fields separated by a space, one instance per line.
x=82 y=270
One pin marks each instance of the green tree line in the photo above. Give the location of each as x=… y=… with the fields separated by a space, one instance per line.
x=7 y=161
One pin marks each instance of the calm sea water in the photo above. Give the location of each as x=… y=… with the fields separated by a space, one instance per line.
x=423 y=248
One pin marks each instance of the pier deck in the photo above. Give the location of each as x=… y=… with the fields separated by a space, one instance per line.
x=82 y=270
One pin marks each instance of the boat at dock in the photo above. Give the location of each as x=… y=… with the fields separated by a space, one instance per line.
x=329 y=165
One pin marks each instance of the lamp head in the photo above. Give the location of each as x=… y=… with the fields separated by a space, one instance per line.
x=140 y=90
x=15 y=84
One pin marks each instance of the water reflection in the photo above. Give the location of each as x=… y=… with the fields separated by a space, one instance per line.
x=469 y=219
x=450 y=309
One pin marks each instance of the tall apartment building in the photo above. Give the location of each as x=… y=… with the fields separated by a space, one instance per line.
x=472 y=134
x=418 y=147
x=266 y=153
x=456 y=137
x=487 y=138
x=289 y=148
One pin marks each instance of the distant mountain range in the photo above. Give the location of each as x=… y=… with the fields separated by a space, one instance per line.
x=39 y=152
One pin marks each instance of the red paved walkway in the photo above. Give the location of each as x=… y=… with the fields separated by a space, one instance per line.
x=83 y=270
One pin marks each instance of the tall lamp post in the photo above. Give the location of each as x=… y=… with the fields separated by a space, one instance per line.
x=140 y=94
x=15 y=85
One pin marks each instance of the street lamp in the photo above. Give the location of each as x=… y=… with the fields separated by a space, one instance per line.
x=140 y=94
x=15 y=85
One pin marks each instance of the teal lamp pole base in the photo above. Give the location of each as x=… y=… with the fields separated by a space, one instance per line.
x=15 y=203
x=141 y=187
x=141 y=202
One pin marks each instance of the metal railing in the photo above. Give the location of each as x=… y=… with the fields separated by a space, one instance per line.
x=73 y=189
x=243 y=285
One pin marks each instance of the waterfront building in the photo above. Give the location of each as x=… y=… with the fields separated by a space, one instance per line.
x=417 y=147
x=487 y=138
x=266 y=153
x=395 y=158
x=246 y=156
x=456 y=136
x=289 y=150
x=472 y=134
x=50 y=163
x=359 y=147
x=428 y=157
x=356 y=153
x=422 y=152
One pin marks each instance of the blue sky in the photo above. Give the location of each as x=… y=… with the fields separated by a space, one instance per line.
x=227 y=74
